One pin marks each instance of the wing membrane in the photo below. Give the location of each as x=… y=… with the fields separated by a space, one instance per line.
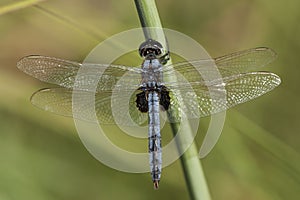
x=64 y=73
x=203 y=100
x=193 y=94
x=109 y=108
x=228 y=65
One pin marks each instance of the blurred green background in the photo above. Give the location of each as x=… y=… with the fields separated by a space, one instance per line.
x=257 y=156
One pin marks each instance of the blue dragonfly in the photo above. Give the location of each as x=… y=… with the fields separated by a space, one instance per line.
x=152 y=93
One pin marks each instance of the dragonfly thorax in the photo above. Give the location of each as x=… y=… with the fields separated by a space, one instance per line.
x=151 y=73
x=152 y=77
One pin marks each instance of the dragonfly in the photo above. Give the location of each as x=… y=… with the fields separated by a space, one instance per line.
x=153 y=91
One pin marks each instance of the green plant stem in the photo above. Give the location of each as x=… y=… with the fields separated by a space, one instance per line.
x=18 y=5
x=91 y=34
x=147 y=10
x=149 y=17
x=191 y=165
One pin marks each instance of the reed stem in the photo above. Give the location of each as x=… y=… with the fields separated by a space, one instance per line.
x=192 y=168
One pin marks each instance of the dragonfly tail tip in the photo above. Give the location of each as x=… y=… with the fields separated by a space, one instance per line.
x=155 y=184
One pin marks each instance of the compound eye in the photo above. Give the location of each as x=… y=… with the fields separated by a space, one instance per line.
x=158 y=52
x=142 y=50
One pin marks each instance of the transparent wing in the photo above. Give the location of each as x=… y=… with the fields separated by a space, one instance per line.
x=244 y=61
x=198 y=100
x=64 y=72
x=193 y=102
x=194 y=96
x=109 y=108
x=228 y=65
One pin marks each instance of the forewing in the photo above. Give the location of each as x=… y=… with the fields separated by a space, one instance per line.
x=64 y=73
x=224 y=66
x=245 y=61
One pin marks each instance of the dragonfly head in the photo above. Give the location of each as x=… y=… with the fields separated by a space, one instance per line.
x=151 y=49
